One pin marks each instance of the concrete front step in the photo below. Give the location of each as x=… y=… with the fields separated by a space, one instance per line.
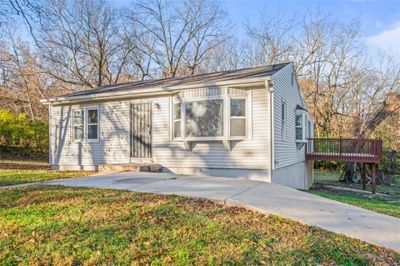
x=130 y=167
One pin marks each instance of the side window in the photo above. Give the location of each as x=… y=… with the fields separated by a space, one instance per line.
x=177 y=120
x=283 y=121
x=292 y=79
x=238 y=117
x=299 y=127
x=92 y=124
x=78 y=121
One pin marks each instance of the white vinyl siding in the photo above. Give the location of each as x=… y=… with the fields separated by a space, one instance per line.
x=250 y=153
x=112 y=145
x=114 y=138
x=285 y=150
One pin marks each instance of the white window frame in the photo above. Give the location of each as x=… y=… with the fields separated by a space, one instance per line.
x=174 y=120
x=226 y=118
x=292 y=77
x=199 y=99
x=284 y=121
x=245 y=117
x=73 y=125
x=303 y=126
x=87 y=124
x=309 y=128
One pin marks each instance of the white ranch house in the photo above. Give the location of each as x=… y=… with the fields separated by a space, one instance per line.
x=247 y=123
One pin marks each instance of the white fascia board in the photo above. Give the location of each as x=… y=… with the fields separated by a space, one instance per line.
x=153 y=91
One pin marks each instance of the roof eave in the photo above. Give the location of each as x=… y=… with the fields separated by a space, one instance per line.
x=153 y=91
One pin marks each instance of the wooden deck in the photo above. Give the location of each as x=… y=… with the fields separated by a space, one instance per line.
x=346 y=150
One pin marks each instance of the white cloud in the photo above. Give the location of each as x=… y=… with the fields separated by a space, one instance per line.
x=378 y=24
x=387 y=41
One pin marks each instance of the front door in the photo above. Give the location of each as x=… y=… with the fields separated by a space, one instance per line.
x=141 y=130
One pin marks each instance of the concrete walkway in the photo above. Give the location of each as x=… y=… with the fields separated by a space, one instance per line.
x=304 y=207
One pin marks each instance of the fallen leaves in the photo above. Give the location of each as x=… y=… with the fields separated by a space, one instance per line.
x=89 y=226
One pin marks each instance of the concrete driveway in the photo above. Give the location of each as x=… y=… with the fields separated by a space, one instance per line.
x=306 y=208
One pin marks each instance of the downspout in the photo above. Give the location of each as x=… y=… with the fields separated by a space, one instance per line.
x=49 y=147
x=270 y=87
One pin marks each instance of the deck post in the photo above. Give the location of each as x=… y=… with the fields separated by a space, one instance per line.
x=373 y=178
x=340 y=146
x=363 y=176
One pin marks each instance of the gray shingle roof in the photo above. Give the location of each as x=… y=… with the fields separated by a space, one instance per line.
x=263 y=71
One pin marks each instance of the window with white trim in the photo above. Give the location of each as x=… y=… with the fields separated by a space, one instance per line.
x=237 y=117
x=300 y=126
x=92 y=123
x=78 y=125
x=283 y=121
x=309 y=129
x=177 y=120
x=85 y=124
x=292 y=79
x=204 y=118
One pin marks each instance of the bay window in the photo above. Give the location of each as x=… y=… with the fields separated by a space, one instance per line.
x=204 y=118
x=208 y=118
x=177 y=120
x=237 y=117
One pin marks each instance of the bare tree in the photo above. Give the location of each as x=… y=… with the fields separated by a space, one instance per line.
x=181 y=34
x=345 y=92
x=14 y=11
x=81 y=43
x=273 y=38
x=227 y=56
x=23 y=82
x=379 y=99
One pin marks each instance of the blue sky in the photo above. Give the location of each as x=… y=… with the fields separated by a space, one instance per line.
x=374 y=16
x=380 y=20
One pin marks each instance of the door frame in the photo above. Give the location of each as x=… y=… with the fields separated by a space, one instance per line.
x=134 y=159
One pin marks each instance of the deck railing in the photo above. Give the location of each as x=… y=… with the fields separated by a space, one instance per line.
x=342 y=149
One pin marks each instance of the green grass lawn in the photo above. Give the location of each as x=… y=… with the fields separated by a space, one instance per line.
x=322 y=175
x=74 y=226
x=14 y=177
x=24 y=164
x=388 y=203
x=332 y=178
x=370 y=203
